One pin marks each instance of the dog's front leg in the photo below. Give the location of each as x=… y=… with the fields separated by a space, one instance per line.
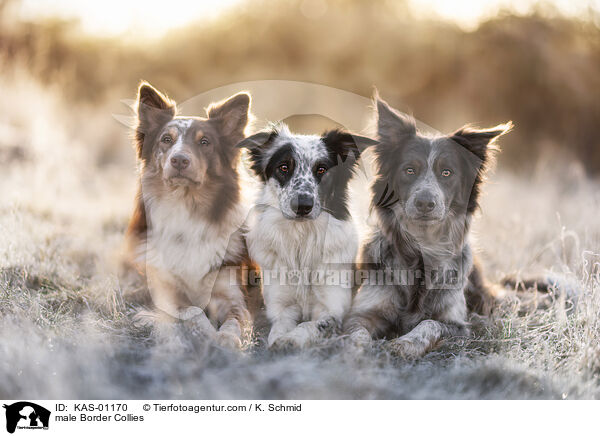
x=227 y=308
x=448 y=311
x=282 y=309
x=374 y=311
x=172 y=305
x=302 y=336
x=332 y=304
x=424 y=337
x=310 y=332
x=282 y=324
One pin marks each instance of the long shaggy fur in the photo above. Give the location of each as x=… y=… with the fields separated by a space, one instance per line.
x=301 y=231
x=424 y=195
x=186 y=229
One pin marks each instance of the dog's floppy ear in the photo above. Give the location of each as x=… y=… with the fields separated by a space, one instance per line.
x=256 y=145
x=154 y=109
x=391 y=123
x=342 y=143
x=480 y=141
x=258 y=140
x=232 y=112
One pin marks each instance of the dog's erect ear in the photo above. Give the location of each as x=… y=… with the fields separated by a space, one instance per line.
x=232 y=112
x=480 y=141
x=154 y=110
x=152 y=106
x=341 y=143
x=391 y=124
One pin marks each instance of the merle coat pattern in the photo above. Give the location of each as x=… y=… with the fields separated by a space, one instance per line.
x=424 y=195
x=186 y=227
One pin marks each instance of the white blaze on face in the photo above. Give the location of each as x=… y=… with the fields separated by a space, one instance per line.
x=180 y=147
x=307 y=151
x=177 y=129
x=427 y=189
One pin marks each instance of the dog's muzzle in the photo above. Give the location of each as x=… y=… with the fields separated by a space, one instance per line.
x=302 y=205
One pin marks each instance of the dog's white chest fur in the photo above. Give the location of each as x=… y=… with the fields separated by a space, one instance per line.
x=188 y=246
x=276 y=242
x=282 y=246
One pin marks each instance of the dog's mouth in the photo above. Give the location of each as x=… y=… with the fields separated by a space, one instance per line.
x=180 y=179
x=300 y=218
x=418 y=218
x=427 y=219
x=424 y=219
x=303 y=218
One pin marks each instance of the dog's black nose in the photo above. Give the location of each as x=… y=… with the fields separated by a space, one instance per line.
x=180 y=162
x=302 y=205
x=425 y=202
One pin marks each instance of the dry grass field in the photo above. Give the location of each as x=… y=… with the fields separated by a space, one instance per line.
x=66 y=183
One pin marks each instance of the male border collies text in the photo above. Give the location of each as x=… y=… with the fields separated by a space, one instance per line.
x=186 y=227
x=424 y=195
x=301 y=233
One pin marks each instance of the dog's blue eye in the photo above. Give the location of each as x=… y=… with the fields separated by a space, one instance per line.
x=410 y=171
x=167 y=139
x=446 y=173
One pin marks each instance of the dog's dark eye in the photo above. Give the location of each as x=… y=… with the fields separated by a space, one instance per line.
x=321 y=170
x=204 y=141
x=446 y=173
x=410 y=171
x=284 y=168
x=167 y=139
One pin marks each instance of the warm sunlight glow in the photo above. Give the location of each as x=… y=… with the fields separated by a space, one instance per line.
x=144 y=18
x=153 y=18
x=469 y=13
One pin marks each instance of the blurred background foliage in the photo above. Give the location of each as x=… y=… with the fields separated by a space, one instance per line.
x=540 y=70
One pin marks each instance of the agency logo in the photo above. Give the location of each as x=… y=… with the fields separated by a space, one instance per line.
x=26 y=415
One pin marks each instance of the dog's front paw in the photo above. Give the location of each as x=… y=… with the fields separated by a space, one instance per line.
x=189 y=313
x=360 y=337
x=406 y=348
x=359 y=342
x=327 y=327
x=228 y=340
x=199 y=327
x=145 y=319
x=286 y=343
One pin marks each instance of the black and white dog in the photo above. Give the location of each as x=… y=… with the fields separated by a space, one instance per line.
x=424 y=195
x=301 y=233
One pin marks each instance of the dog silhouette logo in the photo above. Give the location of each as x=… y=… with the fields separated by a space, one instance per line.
x=26 y=415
